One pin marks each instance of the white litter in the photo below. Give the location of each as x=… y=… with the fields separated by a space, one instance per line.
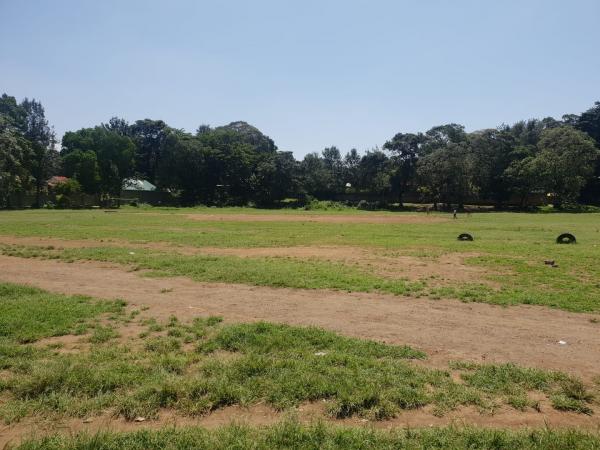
x=132 y=253
x=562 y=342
x=320 y=353
x=139 y=419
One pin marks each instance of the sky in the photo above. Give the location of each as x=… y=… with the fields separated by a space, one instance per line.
x=308 y=73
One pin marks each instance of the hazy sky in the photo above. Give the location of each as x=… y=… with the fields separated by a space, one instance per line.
x=309 y=74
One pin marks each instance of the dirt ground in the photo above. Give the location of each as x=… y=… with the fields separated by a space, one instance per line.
x=446 y=329
x=447 y=268
x=262 y=415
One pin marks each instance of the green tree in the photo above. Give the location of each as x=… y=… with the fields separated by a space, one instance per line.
x=14 y=176
x=148 y=136
x=114 y=155
x=566 y=157
x=185 y=169
x=446 y=175
x=83 y=166
x=273 y=178
x=524 y=177
x=589 y=122
x=43 y=160
x=406 y=148
x=351 y=166
x=314 y=175
x=375 y=172
x=493 y=152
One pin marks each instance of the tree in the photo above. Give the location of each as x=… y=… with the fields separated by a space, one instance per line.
x=351 y=168
x=185 y=170
x=203 y=128
x=523 y=176
x=375 y=172
x=332 y=159
x=118 y=126
x=83 y=167
x=273 y=178
x=13 y=114
x=14 y=176
x=446 y=174
x=114 y=155
x=148 y=136
x=406 y=149
x=566 y=158
x=443 y=135
x=492 y=151
x=43 y=160
x=314 y=175
x=589 y=122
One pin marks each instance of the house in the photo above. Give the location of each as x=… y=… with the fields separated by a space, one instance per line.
x=142 y=191
x=56 y=180
x=137 y=185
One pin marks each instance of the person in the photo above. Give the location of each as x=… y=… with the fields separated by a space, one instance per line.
x=454 y=214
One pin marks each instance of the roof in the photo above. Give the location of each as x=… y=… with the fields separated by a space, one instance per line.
x=53 y=181
x=135 y=184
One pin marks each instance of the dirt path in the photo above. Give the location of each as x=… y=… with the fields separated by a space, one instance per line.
x=445 y=329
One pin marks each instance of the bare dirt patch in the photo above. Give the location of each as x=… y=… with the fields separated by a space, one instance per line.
x=263 y=415
x=323 y=218
x=437 y=271
x=445 y=329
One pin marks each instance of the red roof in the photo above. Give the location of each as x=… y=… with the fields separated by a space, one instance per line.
x=57 y=180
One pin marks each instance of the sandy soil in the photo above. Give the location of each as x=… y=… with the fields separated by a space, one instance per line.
x=445 y=329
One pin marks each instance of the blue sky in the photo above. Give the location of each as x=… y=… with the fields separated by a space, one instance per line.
x=310 y=74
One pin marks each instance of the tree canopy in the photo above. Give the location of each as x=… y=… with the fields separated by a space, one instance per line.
x=237 y=164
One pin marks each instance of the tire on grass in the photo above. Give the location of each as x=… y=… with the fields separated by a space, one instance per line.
x=465 y=237
x=566 y=238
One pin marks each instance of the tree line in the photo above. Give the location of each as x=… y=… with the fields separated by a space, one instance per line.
x=236 y=164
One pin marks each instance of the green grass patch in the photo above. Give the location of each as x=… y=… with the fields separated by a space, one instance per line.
x=195 y=368
x=28 y=314
x=292 y=435
x=512 y=245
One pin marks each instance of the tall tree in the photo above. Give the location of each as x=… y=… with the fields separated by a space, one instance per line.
x=589 y=122
x=493 y=152
x=447 y=174
x=406 y=149
x=114 y=154
x=43 y=159
x=566 y=158
x=352 y=168
x=148 y=136
x=14 y=176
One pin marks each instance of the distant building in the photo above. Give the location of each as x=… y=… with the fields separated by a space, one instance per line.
x=136 y=185
x=56 y=180
x=142 y=191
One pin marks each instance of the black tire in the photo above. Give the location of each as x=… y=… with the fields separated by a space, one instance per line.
x=566 y=238
x=465 y=237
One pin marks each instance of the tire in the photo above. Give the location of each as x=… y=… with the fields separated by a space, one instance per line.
x=566 y=238
x=465 y=237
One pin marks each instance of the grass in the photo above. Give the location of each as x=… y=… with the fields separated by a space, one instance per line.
x=198 y=367
x=292 y=435
x=28 y=314
x=279 y=272
x=513 y=245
